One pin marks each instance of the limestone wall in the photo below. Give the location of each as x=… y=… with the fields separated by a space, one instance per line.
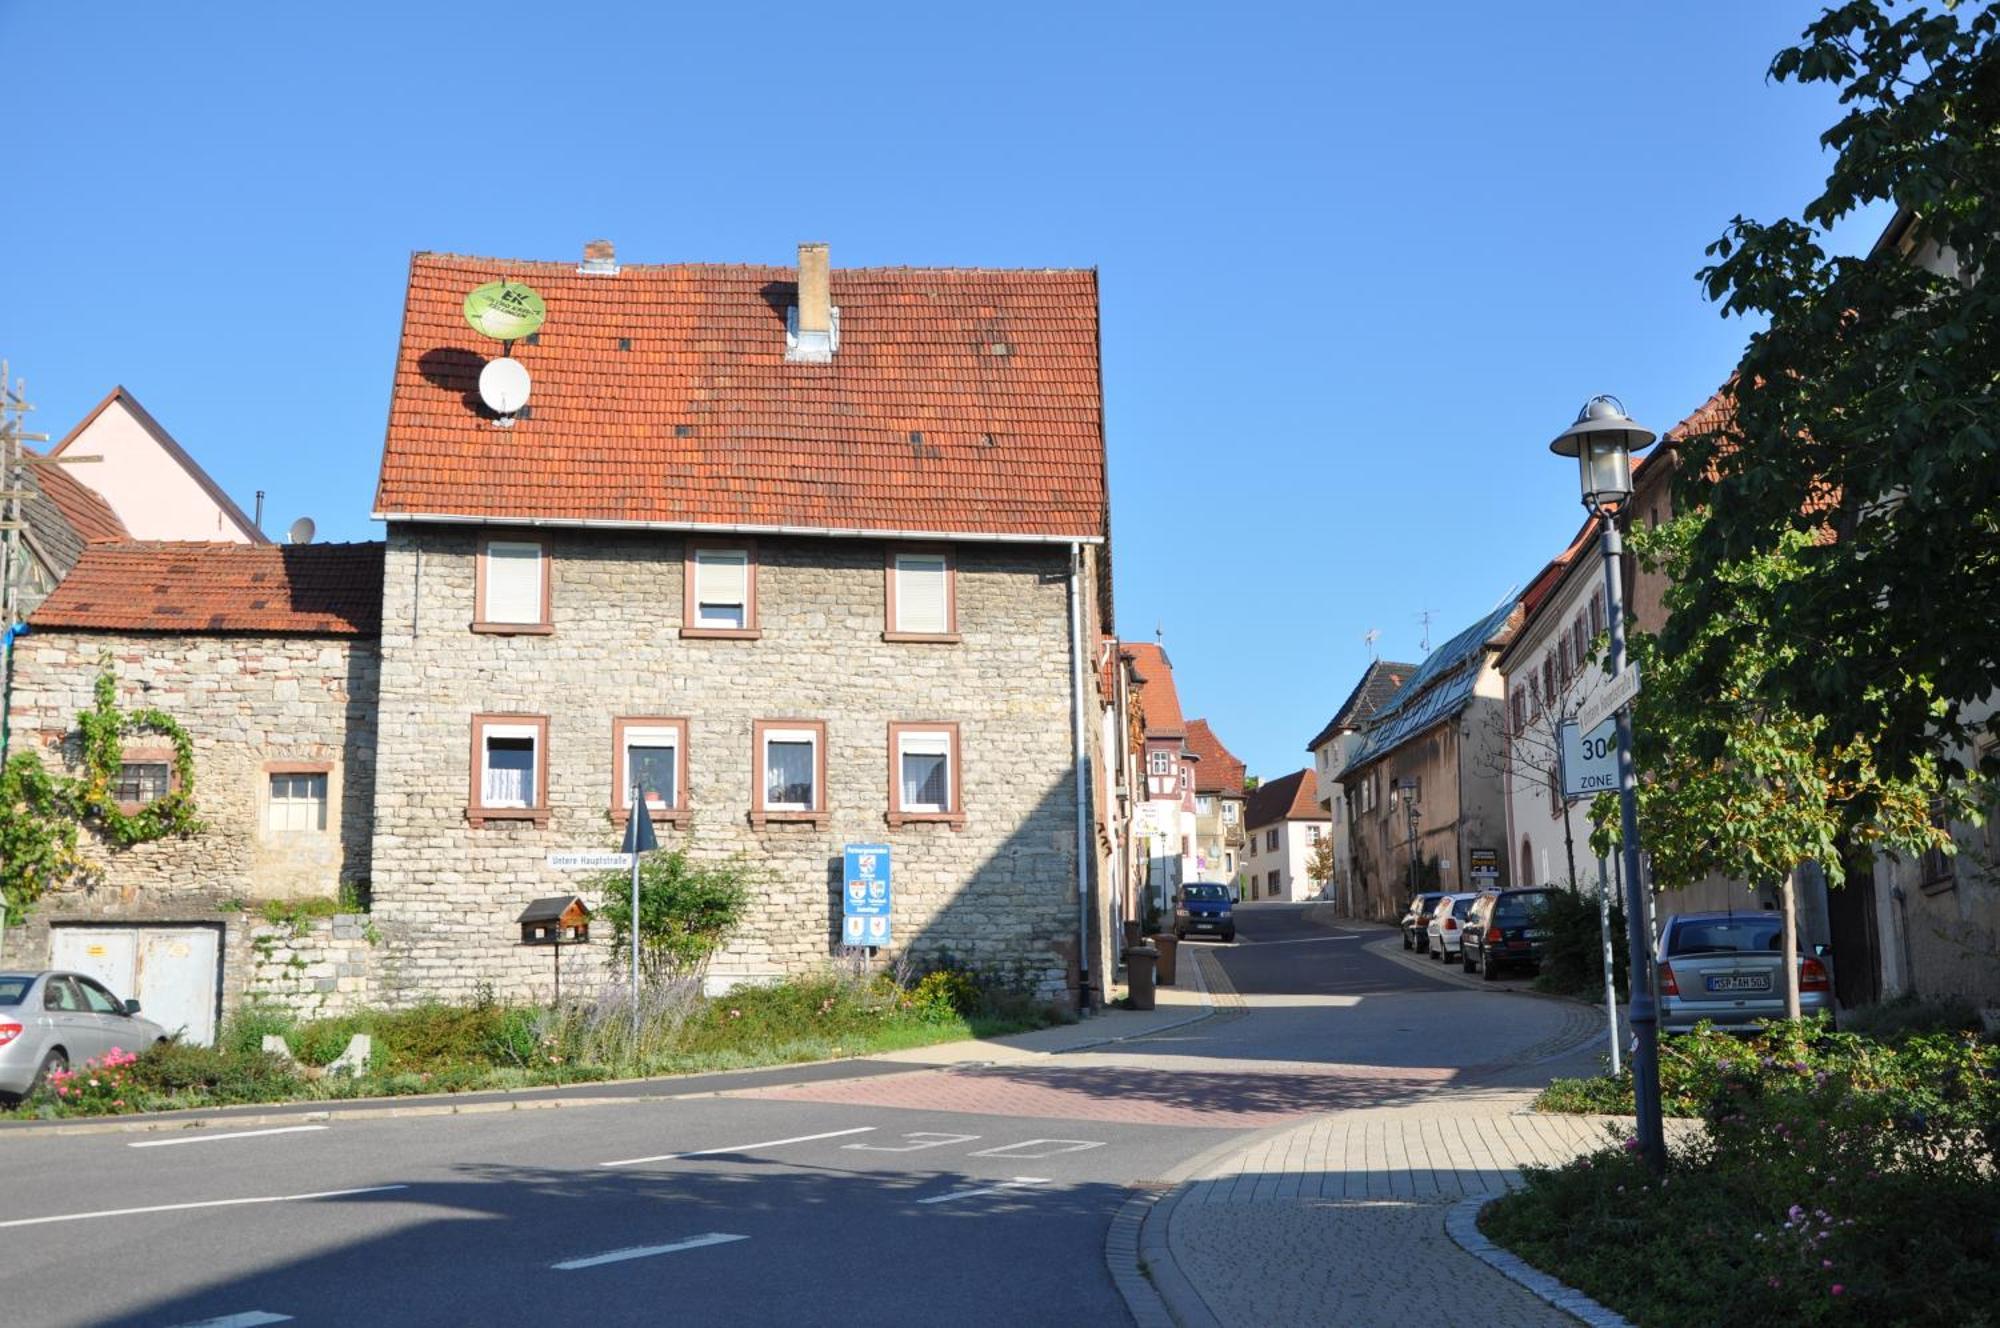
x=999 y=892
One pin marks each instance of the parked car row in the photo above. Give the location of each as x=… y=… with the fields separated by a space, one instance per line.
x=1725 y=967
x=1485 y=930
x=50 y=1021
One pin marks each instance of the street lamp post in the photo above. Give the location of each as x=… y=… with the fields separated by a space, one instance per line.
x=1408 y=794
x=1603 y=440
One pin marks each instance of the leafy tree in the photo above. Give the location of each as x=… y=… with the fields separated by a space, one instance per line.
x=1864 y=408
x=1319 y=864
x=687 y=909
x=1731 y=782
x=37 y=836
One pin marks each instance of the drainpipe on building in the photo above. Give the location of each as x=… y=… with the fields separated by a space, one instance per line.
x=1082 y=765
x=6 y=709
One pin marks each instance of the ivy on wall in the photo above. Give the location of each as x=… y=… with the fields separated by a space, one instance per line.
x=40 y=811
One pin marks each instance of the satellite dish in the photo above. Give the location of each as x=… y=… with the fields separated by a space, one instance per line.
x=301 y=532
x=505 y=311
x=503 y=386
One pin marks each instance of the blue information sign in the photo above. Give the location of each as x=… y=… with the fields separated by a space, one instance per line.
x=865 y=895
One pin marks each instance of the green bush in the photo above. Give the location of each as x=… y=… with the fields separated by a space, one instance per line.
x=1893 y=1020
x=179 y=1070
x=945 y=994
x=1573 y=960
x=245 y=1030
x=687 y=908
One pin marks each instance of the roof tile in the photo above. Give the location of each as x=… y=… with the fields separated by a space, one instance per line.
x=303 y=589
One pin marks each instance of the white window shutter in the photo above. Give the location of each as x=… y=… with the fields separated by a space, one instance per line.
x=513 y=582
x=721 y=577
x=920 y=594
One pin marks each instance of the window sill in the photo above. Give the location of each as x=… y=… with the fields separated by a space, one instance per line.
x=479 y=816
x=934 y=638
x=514 y=629
x=897 y=820
x=1940 y=886
x=721 y=633
x=818 y=820
x=677 y=817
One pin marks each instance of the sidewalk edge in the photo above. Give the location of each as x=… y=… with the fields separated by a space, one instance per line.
x=1462 y=1223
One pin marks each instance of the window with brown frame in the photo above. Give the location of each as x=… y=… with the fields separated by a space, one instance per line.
x=921 y=592
x=719 y=592
x=649 y=752
x=145 y=774
x=512 y=594
x=924 y=774
x=295 y=796
x=509 y=778
x=788 y=771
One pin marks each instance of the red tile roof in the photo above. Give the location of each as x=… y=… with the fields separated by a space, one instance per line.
x=1158 y=701
x=302 y=589
x=1216 y=769
x=1293 y=797
x=82 y=506
x=959 y=402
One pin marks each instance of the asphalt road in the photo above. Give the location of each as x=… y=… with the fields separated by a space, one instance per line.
x=966 y=1196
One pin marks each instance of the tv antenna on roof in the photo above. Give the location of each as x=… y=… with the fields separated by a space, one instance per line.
x=1368 y=638
x=1424 y=616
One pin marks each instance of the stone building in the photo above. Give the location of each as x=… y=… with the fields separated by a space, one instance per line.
x=267 y=658
x=815 y=557
x=1331 y=749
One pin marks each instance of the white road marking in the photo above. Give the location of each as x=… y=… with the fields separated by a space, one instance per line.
x=931 y=1139
x=737 y=1148
x=206 y=1203
x=211 y=1138
x=1310 y=940
x=647 y=1251
x=1018 y=1150
x=1019 y=1182
x=247 y=1319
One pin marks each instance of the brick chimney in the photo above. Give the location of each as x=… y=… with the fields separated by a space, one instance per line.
x=812 y=331
x=600 y=258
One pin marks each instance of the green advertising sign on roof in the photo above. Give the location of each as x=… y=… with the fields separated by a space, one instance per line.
x=505 y=311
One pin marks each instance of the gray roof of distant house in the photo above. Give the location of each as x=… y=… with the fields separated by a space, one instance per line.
x=1441 y=688
x=1379 y=682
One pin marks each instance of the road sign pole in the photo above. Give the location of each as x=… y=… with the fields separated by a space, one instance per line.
x=1644 y=1016
x=1604 y=936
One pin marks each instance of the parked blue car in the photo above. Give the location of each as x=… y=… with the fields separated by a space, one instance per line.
x=1203 y=909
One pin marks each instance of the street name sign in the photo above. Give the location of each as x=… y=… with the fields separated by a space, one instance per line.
x=591 y=861
x=865 y=896
x=1589 y=761
x=1604 y=704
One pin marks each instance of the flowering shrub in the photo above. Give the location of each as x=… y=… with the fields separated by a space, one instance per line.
x=101 y=1087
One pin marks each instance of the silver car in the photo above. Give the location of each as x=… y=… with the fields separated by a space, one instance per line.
x=1728 y=968
x=53 y=1020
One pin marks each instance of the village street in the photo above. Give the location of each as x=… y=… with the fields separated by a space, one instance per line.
x=967 y=1184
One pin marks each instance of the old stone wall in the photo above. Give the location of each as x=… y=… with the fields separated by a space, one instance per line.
x=249 y=703
x=998 y=892
x=318 y=968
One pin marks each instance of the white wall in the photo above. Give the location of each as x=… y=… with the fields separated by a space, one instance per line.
x=1290 y=860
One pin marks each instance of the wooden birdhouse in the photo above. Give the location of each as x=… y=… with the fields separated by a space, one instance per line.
x=557 y=920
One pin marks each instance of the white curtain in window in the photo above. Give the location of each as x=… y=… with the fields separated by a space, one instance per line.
x=509 y=777
x=926 y=773
x=513 y=582
x=788 y=773
x=920 y=593
x=721 y=587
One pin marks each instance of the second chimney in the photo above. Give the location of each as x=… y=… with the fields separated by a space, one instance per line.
x=600 y=257
x=813 y=336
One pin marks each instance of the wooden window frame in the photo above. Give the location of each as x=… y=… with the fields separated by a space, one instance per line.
x=954 y=815
x=480 y=623
x=751 y=629
x=165 y=756
x=950 y=636
x=621 y=810
x=478 y=815
x=296 y=768
x=760 y=816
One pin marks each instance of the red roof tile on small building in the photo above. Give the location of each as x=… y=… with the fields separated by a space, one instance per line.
x=1159 y=702
x=278 y=589
x=1293 y=797
x=1216 y=769
x=960 y=402
x=82 y=506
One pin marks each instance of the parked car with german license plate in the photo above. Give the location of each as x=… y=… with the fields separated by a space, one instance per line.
x=1203 y=908
x=1416 y=918
x=1505 y=929
x=1728 y=968
x=53 y=1020
x=1447 y=925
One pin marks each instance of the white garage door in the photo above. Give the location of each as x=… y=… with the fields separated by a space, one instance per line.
x=171 y=972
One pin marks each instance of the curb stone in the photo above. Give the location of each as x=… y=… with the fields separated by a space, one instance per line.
x=1461 y=1221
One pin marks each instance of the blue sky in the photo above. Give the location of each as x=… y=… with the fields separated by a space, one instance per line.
x=1359 y=262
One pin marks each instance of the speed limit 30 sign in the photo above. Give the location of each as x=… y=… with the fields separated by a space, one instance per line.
x=1589 y=761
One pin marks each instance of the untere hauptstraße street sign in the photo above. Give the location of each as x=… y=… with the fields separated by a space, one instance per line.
x=591 y=861
x=1602 y=705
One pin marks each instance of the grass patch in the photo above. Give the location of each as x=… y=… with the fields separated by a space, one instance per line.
x=1839 y=1179
x=485 y=1046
